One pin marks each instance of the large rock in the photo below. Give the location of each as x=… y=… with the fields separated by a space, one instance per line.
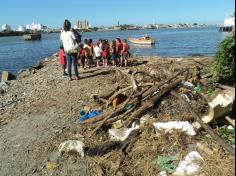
x=7 y=76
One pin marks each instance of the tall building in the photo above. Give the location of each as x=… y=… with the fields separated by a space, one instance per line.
x=21 y=29
x=82 y=24
x=34 y=26
x=6 y=27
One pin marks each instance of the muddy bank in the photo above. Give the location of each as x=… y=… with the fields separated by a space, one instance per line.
x=41 y=109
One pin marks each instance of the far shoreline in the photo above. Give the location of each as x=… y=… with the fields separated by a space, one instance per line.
x=44 y=60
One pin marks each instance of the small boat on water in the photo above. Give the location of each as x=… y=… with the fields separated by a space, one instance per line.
x=33 y=36
x=146 y=40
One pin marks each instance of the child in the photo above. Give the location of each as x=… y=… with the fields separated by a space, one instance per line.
x=97 y=52
x=119 y=47
x=88 y=52
x=104 y=54
x=114 y=53
x=63 y=60
x=81 y=55
x=125 y=53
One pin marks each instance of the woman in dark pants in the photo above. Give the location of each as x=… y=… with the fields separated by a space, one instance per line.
x=71 y=49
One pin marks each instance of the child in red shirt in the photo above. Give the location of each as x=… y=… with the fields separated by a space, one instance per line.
x=81 y=55
x=63 y=61
x=104 y=54
x=125 y=53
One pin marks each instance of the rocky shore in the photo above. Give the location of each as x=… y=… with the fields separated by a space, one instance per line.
x=41 y=109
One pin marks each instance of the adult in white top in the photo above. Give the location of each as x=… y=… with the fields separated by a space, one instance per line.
x=69 y=43
x=68 y=40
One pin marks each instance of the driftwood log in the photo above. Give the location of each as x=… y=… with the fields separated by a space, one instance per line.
x=149 y=104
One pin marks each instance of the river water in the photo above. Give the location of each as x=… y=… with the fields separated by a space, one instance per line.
x=16 y=54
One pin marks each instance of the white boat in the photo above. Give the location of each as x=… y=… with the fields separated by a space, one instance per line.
x=143 y=40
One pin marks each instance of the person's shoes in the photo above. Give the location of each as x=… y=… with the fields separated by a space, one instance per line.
x=70 y=79
x=76 y=78
x=65 y=74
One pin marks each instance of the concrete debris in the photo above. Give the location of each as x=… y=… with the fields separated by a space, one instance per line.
x=72 y=145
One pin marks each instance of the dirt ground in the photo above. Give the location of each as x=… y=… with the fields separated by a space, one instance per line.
x=41 y=109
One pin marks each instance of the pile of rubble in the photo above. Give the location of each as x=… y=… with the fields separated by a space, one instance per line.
x=155 y=121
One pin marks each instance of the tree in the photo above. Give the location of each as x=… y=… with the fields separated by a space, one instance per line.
x=224 y=65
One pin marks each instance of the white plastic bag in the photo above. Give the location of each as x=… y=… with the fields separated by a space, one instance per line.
x=170 y=126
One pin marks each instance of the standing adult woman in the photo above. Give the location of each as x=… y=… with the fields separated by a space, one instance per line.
x=71 y=48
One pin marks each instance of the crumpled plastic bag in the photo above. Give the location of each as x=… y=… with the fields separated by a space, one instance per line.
x=122 y=133
x=189 y=165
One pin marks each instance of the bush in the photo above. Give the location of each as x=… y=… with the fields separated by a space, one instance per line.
x=224 y=62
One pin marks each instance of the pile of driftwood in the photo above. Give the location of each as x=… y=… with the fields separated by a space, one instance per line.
x=142 y=95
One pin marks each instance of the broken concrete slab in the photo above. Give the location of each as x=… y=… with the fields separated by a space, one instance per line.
x=7 y=76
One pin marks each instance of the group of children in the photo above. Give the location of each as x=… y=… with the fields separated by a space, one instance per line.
x=101 y=54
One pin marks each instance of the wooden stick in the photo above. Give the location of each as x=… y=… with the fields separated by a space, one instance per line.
x=150 y=103
x=108 y=117
x=156 y=87
x=231 y=121
x=208 y=129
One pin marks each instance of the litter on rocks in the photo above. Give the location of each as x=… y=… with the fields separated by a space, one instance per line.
x=123 y=133
x=89 y=115
x=170 y=126
x=72 y=146
x=187 y=84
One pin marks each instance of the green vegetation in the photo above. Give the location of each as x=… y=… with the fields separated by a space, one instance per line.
x=224 y=62
x=228 y=135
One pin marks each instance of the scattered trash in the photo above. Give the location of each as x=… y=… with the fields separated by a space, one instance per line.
x=186 y=97
x=118 y=124
x=72 y=145
x=144 y=118
x=51 y=166
x=130 y=106
x=218 y=107
x=187 y=84
x=123 y=133
x=189 y=165
x=198 y=88
x=204 y=148
x=230 y=127
x=163 y=173
x=118 y=100
x=90 y=115
x=169 y=126
x=167 y=163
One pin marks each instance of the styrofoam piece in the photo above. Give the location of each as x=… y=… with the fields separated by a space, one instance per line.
x=173 y=125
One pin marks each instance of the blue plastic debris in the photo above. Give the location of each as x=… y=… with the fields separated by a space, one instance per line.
x=90 y=115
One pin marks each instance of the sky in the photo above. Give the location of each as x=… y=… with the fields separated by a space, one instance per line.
x=108 y=12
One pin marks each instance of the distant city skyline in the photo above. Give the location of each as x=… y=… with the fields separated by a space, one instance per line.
x=108 y=13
